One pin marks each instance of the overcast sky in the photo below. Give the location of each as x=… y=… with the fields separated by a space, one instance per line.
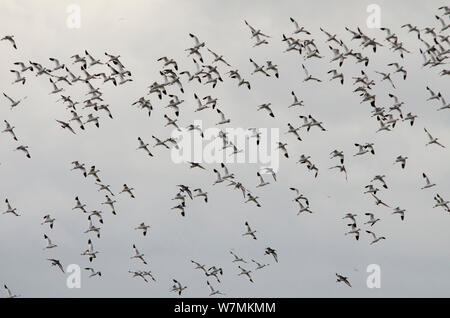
x=414 y=259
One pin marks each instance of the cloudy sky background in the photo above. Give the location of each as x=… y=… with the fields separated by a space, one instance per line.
x=415 y=257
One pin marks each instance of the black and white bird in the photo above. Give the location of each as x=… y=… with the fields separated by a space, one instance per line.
x=249 y=232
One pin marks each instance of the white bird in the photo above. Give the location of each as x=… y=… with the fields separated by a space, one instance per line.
x=282 y=146
x=259 y=265
x=25 y=150
x=298 y=29
x=271 y=171
x=49 y=243
x=92 y=227
x=400 y=211
x=128 y=190
x=48 y=219
x=9 y=129
x=10 y=209
x=55 y=88
x=246 y=273
x=65 y=125
x=444 y=104
x=19 y=77
x=372 y=219
x=266 y=106
x=199 y=193
x=440 y=202
x=213 y=291
x=14 y=103
x=10 y=294
x=249 y=231
x=56 y=262
x=341 y=169
x=262 y=183
x=432 y=140
x=144 y=146
x=110 y=203
x=401 y=160
x=337 y=75
x=258 y=68
x=223 y=120
x=237 y=258
x=93 y=272
x=138 y=255
x=9 y=38
x=308 y=76
x=375 y=238
x=296 y=101
x=143 y=227
x=428 y=183
x=92 y=119
x=303 y=208
x=354 y=230
x=178 y=287
x=271 y=251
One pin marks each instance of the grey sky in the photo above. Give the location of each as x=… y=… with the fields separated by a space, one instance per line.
x=414 y=258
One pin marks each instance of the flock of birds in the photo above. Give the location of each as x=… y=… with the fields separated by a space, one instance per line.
x=87 y=70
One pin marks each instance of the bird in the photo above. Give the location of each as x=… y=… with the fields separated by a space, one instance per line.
x=143 y=227
x=266 y=107
x=372 y=219
x=341 y=168
x=432 y=140
x=9 y=129
x=49 y=243
x=400 y=211
x=110 y=203
x=262 y=183
x=13 y=102
x=354 y=230
x=144 y=146
x=128 y=190
x=258 y=68
x=378 y=201
x=138 y=255
x=249 y=231
x=19 y=77
x=90 y=253
x=93 y=272
x=336 y=75
x=271 y=251
x=25 y=150
x=48 y=219
x=199 y=193
x=375 y=238
x=9 y=209
x=223 y=120
x=10 y=294
x=178 y=287
x=344 y=279
x=237 y=258
x=65 y=125
x=259 y=265
x=56 y=262
x=10 y=39
x=308 y=76
x=282 y=146
x=428 y=183
x=246 y=273
x=92 y=227
x=213 y=291
x=296 y=101
x=401 y=160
